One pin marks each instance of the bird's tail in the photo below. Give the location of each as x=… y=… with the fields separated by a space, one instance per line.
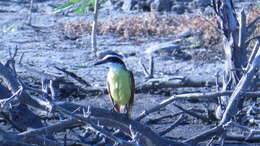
x=129 y=110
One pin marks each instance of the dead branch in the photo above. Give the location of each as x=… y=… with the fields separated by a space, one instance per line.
x=39 y=73
x=174 y=82
x=252 y=56
x=242 y=29
x=243 y=84
x=242 y=138
x=174 y=125
x=13 y=85
x=151 y=69
x=51 y=129
x=193 y=114
x=86 y=119
x=74 y=76
x=94 y=28
x=252 y=131
x=39 y=140
x=235 y=99
x=119 y=121
x=251 y=27
x=5 y=101
x=205 y=135
x=252 y=38
x=146 y=73
x=190 y=96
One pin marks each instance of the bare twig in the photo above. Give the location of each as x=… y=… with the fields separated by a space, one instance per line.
x=146 y=73
x=205 y=96
x=175 y=124
x=232 y=107
x=74 y=76
x=117 y=121
x=151 y=69
x=204 y=119
x=94 y=27
x=13 y=85
x=251 y=24
x=90 y=121
x=243 y=84
x=55 y=128
x=253 y=38
x=205 y=135
x=5 y=101
x=252 y=56
x=252 y=131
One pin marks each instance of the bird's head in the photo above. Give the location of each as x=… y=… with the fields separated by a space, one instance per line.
x=113 y=61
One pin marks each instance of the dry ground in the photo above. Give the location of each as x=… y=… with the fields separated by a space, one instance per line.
x=64 y=41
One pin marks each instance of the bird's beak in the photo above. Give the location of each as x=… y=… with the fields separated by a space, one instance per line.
x=100 y=62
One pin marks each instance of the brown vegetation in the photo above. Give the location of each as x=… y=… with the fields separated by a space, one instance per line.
x=153 y=24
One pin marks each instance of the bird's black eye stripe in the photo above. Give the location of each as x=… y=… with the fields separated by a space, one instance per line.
x=116 y=60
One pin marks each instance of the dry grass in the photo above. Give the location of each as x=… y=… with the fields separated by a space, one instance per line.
x=148 y=24
x=153 y=24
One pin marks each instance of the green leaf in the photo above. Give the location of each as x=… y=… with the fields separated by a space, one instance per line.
x=82 y=8
x=66 y=5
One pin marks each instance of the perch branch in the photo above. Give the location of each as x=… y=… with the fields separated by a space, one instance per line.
x=86 y=119
x=116 y=120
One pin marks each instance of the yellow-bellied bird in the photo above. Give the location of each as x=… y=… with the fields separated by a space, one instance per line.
x=120 y=83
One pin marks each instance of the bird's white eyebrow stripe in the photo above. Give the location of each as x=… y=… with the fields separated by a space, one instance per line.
x=108 y=56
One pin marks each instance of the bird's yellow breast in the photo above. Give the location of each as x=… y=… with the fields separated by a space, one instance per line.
x=119 y=85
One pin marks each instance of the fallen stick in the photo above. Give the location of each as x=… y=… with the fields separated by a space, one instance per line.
x=74 y=76
x=189 y=96
x=174 y=125
x=193 y=114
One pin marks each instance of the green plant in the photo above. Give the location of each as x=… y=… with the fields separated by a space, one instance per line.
x=80 y=5
x=258 y=5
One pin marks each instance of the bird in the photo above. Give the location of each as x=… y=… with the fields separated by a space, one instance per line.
x=120 y=83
